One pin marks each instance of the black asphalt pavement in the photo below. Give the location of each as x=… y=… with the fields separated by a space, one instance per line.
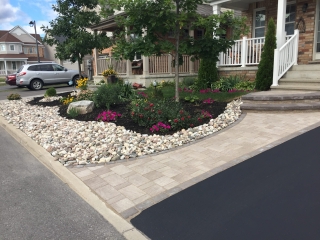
x=274 y=195
x=35 y=204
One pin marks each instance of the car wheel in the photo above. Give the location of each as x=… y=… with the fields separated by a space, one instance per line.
x=75 y=80
x=36 y=84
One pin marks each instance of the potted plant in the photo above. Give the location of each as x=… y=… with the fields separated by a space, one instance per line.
x=109 y=75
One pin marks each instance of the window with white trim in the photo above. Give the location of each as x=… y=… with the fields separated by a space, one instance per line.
x=290 y=18
x=3 y=47
x=259 y=19
x=11 y=47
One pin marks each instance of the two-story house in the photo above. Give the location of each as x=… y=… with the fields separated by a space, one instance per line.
x=18 y=47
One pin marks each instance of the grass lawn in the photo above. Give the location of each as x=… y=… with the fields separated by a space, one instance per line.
x=2 y=79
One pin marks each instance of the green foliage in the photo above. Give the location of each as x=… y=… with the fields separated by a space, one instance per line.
x=69 y=30
x=126 y=91
x=50 y=92
x=150 y=112
x=73 y=112
x=226 y=84
x=106 y=95
x=85 y=95
x=167 y=17
x=189 y=81
x=167 y=83
x=14 y=96
x=156 y=92
x=245 y=85
x=265 y=69
x=191 y=98
x=207 y=74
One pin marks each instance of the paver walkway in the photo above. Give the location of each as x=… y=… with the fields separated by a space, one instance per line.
x=128 y=187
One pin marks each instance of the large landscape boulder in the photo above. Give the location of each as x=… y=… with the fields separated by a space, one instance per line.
x=83 y=107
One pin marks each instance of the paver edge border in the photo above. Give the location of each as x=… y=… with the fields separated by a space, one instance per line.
x=121 y=225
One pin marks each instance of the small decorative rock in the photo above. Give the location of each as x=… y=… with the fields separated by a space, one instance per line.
x=99 y=142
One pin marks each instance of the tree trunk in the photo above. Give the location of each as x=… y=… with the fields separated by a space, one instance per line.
x=79 y=66
x=176 y=55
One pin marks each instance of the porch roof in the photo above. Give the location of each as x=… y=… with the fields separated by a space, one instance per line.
x=21 y=56
x=233 y=4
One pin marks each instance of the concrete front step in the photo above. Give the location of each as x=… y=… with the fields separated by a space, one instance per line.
x=300 y=82
x=281 y=101
x=307 y=67
x=280 y=107
x=296 y=87
x=311 y=74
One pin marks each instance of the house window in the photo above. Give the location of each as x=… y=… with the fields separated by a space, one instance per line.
x=3 y=47
x=11 y=47
x=259 y=22
x=199 y=33
x=14 y=66
x=290 y=18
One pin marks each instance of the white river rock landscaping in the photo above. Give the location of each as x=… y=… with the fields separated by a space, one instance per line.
x=77 y=142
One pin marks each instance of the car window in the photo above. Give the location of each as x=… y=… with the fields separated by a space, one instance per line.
x=46 y=67
x=33 y=68
x=57 y=67
x=20 y=69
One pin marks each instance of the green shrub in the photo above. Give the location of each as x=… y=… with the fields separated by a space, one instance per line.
x=126 y=90
x=85 y=95
x=106 y=95
x=245 y=85
x=50 y=92
x=73 y=112
x=207 y=74
x=264 y=75
x=167 y=83
x=189 y=81
x=14 y=96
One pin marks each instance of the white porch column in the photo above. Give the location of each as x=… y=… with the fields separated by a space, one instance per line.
x=128 y=62
x=170 y=63
x=95 y=59
x=145 y=66
x=5 y=67
x=216 y=9
x=281 y=20
x=191 y=63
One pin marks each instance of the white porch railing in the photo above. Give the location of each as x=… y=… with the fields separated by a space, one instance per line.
x=244 y=52
x=285 y=57
x=120 y=66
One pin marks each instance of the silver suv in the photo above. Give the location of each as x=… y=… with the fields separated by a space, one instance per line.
x=35 y=76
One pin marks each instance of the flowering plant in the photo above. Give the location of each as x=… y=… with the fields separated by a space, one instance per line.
x=209 y=100
x=82 y=83
x=204 y=114
x=107 y=116
x=67 y=100
x=108 y=72
x=160 y=126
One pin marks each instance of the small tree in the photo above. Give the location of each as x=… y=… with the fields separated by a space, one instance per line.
x=207 y=73
x=146 y=25
x=69 y=30
x=265 y=69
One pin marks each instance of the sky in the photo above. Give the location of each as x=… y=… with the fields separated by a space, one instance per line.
x=21 y=12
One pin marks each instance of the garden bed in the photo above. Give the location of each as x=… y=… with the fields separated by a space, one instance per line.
x=215 y=109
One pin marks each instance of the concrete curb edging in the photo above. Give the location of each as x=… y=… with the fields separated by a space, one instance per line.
x=124 y=227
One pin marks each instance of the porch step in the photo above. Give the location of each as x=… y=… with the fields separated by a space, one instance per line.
x=281 y=101
x=297 y=87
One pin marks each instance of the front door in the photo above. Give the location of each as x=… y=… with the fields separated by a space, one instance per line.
x=317 y=33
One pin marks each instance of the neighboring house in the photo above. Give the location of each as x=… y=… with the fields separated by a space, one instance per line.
x=152 y=67
x=18 y=47
x=297 y=33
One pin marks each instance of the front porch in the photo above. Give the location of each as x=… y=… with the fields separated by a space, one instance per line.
x=10 y=66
